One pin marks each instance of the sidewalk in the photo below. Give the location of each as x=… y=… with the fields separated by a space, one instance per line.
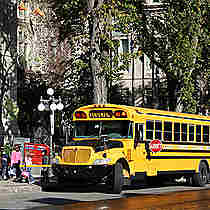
x=8 y=186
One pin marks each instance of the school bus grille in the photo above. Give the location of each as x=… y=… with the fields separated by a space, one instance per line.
x=76 y=155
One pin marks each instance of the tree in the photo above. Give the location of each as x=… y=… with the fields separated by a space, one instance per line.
x=90 y=23
x=174 y=37
x=42 y=64
x=172 y=46
x=8 y=64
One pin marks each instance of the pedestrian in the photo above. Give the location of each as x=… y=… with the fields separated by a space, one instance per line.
x=5 y=163
x=45 y=160
x=28 y=167
x=16 y=159
x=44 y=170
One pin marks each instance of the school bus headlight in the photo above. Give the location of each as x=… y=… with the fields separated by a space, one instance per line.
x=101 y=161
x=55 y=160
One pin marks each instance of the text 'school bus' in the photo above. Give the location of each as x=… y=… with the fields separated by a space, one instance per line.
x=116 y=145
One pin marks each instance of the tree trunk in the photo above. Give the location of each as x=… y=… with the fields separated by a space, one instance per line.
x=99 y=80
x=174 y=104
x=2 y=132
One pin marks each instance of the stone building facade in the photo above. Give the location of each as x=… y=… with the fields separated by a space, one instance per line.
x=38 y=44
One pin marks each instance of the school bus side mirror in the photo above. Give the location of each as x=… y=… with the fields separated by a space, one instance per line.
x=104 y=139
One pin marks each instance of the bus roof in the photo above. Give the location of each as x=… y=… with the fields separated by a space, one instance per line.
x=147 y=111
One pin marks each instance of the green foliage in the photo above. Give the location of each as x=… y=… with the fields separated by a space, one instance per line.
x=11 y=108
x=174 y=41
x=8 y=149
x=175 y=38
x=70 y=16
x=95 y=24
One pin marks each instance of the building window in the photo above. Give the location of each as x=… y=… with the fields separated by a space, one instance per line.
x=20 y=36
x=125 y=46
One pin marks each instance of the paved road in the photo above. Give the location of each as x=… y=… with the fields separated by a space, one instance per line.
x=32 y=197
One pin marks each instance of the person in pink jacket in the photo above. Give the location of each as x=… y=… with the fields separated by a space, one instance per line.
x=16 y=159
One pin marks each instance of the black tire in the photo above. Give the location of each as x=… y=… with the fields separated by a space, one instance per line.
x=117 y=184
x=200 y=179
x=189 y=181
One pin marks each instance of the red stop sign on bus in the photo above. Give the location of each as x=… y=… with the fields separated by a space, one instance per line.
x=155 y=145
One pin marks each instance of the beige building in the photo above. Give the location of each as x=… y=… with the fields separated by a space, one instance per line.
x=142 y=78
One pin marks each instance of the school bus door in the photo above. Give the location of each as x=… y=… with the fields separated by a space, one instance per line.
x=139 y=148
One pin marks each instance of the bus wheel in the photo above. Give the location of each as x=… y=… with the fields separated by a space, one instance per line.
x=189 y=181
x=117 y=179
x=201 y=178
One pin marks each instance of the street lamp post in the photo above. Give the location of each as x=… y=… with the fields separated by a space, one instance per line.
x=51 y=104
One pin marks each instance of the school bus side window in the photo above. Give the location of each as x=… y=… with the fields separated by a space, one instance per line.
x=167 y=131
x=191 y=132
x=206 y=133
x=149 y=129
x=198 y=133
x=158 y=129
x=184 y=132
x=176 y=131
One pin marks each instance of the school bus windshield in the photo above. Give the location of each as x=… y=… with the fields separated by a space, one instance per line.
x=94 y=129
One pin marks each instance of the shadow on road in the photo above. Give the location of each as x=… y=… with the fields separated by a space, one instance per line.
x=102 y=188
x=54 y=201
x=192 y=200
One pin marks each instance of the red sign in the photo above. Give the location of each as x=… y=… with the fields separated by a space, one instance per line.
x=155 y=145
x=36 y=152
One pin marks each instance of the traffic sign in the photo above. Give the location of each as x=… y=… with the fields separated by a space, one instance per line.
x=155 y=145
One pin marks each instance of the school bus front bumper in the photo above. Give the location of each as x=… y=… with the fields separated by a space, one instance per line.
x=82 y=172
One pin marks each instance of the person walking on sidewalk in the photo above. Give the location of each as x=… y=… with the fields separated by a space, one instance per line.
x=45 y=170
x=28 y=164
x=5 y=163
x=16 y=159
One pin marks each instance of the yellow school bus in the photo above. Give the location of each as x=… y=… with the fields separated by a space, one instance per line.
x=117 y=145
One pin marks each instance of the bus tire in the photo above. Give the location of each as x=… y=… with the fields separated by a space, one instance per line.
x=201 y=178
x=117 y=184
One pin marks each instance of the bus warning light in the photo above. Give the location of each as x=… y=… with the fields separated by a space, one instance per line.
x=120 y=114
x=80 y=115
